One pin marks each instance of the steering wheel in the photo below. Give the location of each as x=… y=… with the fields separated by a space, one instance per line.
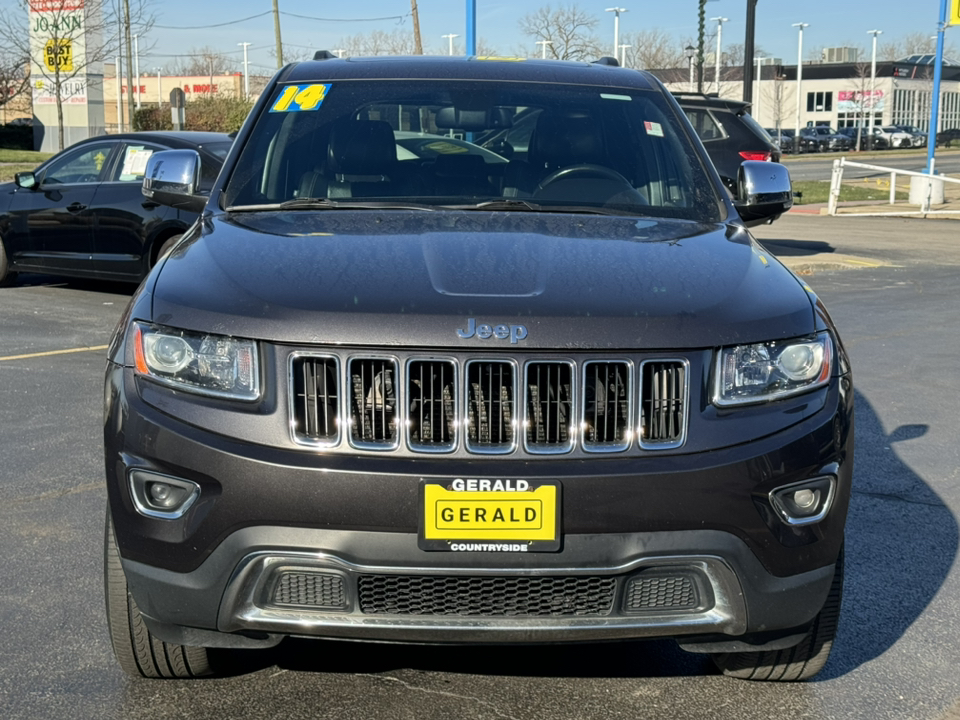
x=584 y=169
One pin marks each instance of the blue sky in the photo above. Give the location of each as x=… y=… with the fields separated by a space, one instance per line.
x=831 y=22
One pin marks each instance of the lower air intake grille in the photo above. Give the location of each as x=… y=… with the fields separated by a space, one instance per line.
x=486 y=596
x=310 y=589
x=549 y=406
x=431 y=398
x=661 y=592
x=316 y=398
x=373 y=402
x=664 y=389
x=606 y=406
x=490 y=406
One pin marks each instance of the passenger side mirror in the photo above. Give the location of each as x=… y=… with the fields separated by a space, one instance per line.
x=764 y=191
x=25 y=180
x=172 y=178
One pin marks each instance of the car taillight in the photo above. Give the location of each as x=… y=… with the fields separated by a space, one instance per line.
x=758 y=156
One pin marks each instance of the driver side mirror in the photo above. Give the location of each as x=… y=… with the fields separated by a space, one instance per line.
x=25 y=180
x=172 y=177
x=764 y=191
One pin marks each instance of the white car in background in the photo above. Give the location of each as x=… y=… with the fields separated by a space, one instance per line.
x=896 y=137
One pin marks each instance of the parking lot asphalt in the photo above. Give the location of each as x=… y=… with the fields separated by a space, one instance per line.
x=898 y=648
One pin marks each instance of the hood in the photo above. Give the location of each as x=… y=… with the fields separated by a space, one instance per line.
x=412 y=278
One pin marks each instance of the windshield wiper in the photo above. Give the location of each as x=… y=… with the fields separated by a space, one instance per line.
x=528 y=206
x=327 y=204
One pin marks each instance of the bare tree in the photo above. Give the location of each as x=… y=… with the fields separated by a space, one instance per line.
x=733 y=55
x=654 y=49
x=569 y=30
x=204 y=61
x=378 y=42
x=80 y=36
x=14 y=77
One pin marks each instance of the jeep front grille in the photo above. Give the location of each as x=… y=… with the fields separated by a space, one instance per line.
x=373 y=402
x=483 y=406
x=490 y=406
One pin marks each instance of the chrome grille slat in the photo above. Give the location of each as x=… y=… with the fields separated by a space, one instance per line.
x=431 y=405
x=606 y=410
x=600 y=404
x=549 y=400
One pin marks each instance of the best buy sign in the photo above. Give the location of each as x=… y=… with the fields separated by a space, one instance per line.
x=58 y=53
x=954 y=17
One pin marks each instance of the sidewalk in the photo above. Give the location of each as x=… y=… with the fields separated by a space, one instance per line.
x=951 y=192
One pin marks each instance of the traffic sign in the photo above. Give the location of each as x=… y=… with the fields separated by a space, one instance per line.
x=954 y=17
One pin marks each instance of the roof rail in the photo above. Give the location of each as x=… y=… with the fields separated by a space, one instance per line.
x=611 y=61
x=324 y=55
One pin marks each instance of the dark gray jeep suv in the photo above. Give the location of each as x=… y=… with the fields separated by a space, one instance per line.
x=458 y=395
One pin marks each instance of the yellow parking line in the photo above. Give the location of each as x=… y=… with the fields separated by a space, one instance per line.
x=849 y=260
x=54 y=352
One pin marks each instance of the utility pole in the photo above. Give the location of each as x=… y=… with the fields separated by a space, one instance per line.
x=719 y=21
x=543 y=44
x=748 y=51
x=450 y=37
x=119 y=76
x=417 y=45
x=616 y=28
x=701 y=17
x=796 y=137
x=276 y=30
x=136 y=67
x=246 y=71
x=159 y=90
x=129 y=43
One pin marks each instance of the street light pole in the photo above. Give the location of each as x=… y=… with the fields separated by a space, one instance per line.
x=623 y=54
x=136 y=66
x=159 y=90
x=719 y=21
x=756 y=103
x=543 y=51
x=616 y=27
x=873 y=83
x=796 y=137
x=246 y=71
x=450 y=38
x=691 y=51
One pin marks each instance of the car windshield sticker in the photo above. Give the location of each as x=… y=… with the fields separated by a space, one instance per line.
x=654 y=129
x=134 y=163
x=442 y=147
x=300 y=98
x=99 y=159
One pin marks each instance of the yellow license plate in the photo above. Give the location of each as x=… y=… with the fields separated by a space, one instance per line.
x=489 y=520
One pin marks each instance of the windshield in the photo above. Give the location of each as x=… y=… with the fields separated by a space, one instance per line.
x=557 y=148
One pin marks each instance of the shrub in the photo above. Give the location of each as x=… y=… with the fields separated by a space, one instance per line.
x=217 y=113
x=152 y=118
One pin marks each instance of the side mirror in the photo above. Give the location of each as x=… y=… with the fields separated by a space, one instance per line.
x=25 y=180
x=764 y=191
x=172 y=178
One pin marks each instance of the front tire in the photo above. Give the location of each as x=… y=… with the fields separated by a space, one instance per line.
x=801 y=662
x=139 y=653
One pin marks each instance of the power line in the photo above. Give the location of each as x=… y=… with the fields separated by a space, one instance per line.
x=398 y=18
x=207 y=27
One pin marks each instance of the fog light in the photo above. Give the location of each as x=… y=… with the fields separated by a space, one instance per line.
x=804 y=503
x=162 y=496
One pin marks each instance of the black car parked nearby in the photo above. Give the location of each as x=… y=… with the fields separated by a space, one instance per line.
x=82 y=213
x=826 y=139
x=728 y=132
x=948 y=137
x=460 y=397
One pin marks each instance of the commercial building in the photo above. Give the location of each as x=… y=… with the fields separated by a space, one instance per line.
x=838 y=94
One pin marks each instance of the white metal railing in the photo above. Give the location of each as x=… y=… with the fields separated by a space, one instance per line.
x=836 y=181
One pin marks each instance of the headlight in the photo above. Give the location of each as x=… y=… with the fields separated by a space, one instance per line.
x=767 y=371
x=206 y=364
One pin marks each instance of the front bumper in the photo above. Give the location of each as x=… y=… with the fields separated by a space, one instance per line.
x=211 y=576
